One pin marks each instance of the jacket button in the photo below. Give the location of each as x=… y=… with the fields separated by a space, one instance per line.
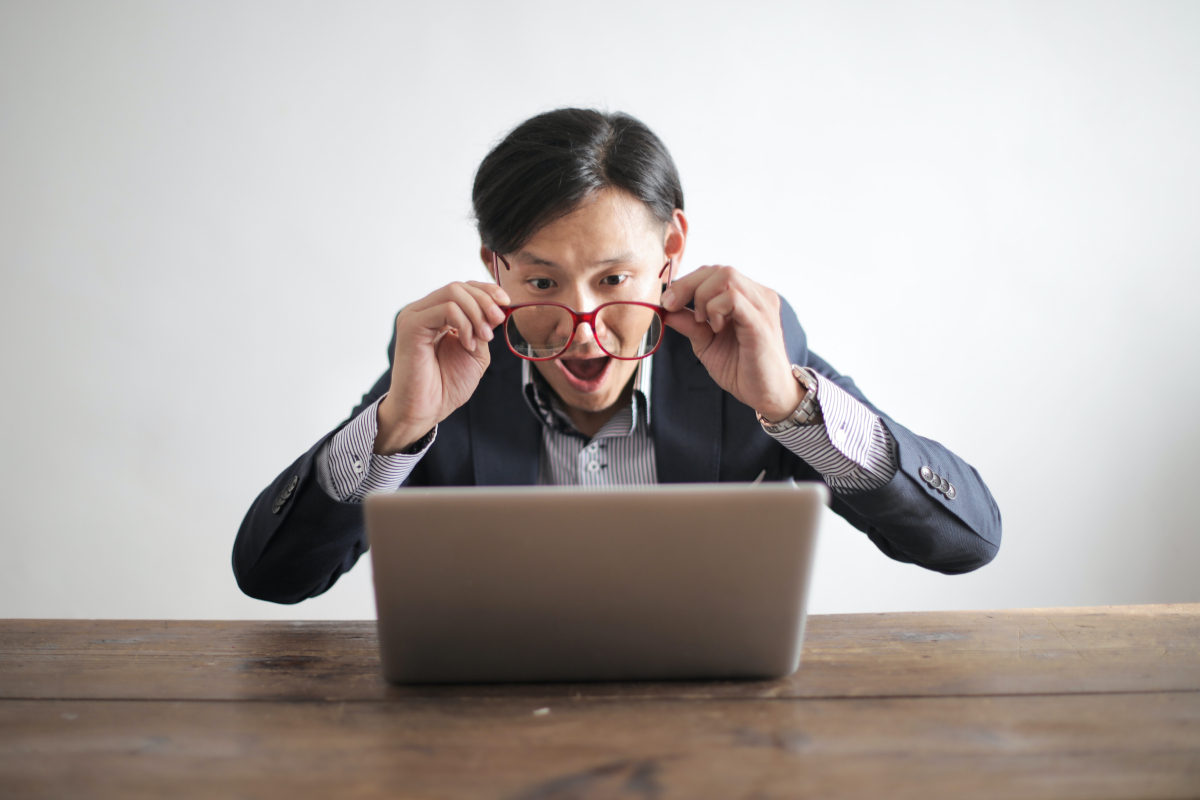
x=285 y=494
x=950 y=493
x=927 y=474
x=943 y=485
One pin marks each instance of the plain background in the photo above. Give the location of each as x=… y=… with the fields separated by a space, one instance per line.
x=987 y=214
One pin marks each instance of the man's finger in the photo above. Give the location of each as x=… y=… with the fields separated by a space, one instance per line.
x=716 y=284
x=487 y=303
x=700 y=333
x=494 y=291
x=469 y=299
x=447 y=315
x=435 y=298
x=720 y=308
x=681 y=292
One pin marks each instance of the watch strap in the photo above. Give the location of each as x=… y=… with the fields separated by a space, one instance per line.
x=809 y=410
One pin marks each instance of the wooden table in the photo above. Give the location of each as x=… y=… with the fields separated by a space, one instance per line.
x=1090 y=702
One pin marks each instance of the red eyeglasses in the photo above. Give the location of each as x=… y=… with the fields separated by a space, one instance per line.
x=622 y=329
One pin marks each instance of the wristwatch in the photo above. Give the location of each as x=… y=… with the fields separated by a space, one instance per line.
x=807 y=413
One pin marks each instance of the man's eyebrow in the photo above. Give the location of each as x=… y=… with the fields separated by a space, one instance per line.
x=619 y=258
x=531 y=259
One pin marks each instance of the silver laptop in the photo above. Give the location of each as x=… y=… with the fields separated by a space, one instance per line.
x=490 y=585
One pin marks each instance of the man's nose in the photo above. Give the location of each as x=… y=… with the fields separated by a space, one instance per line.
x=580 y=299
x=584 y=335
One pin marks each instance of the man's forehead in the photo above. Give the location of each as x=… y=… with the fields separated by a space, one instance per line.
x=532 y=258
x=609 y=228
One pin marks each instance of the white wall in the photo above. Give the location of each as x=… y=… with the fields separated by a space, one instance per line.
x=986 y=214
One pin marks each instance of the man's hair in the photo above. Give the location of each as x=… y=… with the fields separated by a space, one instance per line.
x=549 y=164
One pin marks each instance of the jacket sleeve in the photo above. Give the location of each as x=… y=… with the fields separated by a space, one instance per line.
x=296 y=540
x=908 y=518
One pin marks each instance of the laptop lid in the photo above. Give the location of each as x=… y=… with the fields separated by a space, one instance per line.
x=482 y=585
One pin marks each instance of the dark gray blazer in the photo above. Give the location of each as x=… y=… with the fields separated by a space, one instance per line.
x=296 y=541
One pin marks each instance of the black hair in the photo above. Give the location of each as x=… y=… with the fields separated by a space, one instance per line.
x=549 y=164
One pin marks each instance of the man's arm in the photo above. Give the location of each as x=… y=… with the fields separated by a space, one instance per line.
x=854 y=449
x=847 y=443
x=747 y=338
x=909 y=517
x=912 y=517
x=297 y=540
x=348 y=468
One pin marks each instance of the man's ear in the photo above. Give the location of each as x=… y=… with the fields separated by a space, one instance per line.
x=485 y=255
x=675 y=241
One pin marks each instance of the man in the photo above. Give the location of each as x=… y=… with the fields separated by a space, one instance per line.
x=590 y=361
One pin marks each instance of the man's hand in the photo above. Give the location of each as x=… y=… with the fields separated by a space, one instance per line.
x=736 y=334
x=441 y=353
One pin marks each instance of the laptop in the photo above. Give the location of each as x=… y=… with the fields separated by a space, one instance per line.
x=539 y=584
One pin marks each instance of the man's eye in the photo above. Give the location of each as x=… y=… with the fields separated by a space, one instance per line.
x=542 y=283
x=613 y=280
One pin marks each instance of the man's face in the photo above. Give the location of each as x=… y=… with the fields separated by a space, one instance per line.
x=608 y=249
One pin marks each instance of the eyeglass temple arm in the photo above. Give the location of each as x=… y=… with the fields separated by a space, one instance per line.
x=496 y=258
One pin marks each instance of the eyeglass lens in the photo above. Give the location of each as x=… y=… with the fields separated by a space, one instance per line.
x=623 y=330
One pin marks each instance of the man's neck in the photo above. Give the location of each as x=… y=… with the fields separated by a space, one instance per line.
x=589 y=423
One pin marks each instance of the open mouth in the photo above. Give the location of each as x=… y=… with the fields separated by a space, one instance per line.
x=585 y=374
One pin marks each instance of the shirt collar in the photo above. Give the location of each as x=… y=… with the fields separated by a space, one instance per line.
x=546 y=406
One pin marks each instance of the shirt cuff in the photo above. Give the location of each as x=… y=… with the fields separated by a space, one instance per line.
x=347 y=467
x=851 y=448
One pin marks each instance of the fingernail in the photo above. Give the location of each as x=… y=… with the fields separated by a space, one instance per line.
x=668 y=298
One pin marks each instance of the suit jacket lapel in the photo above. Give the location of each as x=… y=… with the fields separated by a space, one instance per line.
x=686 y=420
x=505 y=436
x=685 y=416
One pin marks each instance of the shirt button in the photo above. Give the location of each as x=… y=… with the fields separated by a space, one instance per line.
x=358 y=466
x=593 y=466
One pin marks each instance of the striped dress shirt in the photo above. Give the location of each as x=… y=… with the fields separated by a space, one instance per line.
x=850 y=447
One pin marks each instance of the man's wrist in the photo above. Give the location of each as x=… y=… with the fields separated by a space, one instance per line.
x=777 y=412
x=420 y=444
x=806 y=411
x=396 y=436
x=404 y=441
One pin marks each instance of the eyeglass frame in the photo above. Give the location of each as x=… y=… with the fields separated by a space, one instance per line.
x=578 y=318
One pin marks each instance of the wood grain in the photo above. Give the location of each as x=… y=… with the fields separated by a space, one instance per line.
x=1097 y=746
x=1034 y=651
